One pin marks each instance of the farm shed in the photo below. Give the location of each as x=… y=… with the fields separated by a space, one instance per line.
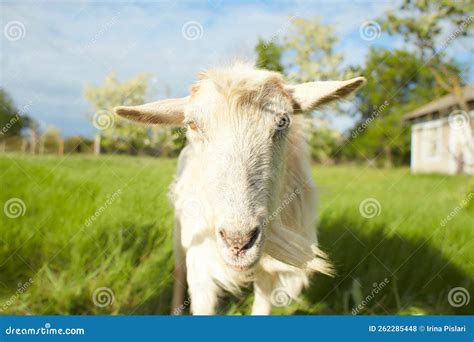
x=442 y=135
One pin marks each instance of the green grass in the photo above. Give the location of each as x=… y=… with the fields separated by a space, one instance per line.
x=128 y=248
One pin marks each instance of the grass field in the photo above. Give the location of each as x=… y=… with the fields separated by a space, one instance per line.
x=406 y=252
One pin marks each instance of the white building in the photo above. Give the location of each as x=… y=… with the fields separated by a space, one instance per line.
x=442 y=135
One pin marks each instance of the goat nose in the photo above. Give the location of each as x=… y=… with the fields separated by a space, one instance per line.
x=238 y=242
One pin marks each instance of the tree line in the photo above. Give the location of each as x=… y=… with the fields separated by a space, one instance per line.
x=399 y=80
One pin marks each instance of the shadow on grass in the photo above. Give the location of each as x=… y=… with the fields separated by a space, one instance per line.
x=383 y=273
x=410 y=275
x=378 y=273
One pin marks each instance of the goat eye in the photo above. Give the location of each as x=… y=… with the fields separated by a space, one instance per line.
x=283 y=121
x=192 y=124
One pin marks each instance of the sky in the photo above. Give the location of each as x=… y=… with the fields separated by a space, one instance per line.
x=51 y=49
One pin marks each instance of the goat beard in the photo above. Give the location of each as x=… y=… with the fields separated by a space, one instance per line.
x=293 y=249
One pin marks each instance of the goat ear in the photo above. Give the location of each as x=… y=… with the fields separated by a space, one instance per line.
x=308 y=96
x=164 y=112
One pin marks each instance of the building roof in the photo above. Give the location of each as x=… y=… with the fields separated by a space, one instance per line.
x=440 y=104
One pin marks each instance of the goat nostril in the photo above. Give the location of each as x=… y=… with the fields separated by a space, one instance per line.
x=252 y=238
x=238 y=243
x=255 y=232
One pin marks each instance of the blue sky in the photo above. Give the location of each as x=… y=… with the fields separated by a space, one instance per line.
x=66 y=44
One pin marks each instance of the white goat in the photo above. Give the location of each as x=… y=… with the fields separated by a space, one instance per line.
x=244 y=199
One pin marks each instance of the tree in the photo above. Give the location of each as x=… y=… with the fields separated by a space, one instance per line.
x=116 y=133
x=430 y=27
x=311 y=45
x=397 y=82
x=11 y=120
x=309 y=54
x=52 y=142
x=324 y=143
x=78 y=144
x=269 y=56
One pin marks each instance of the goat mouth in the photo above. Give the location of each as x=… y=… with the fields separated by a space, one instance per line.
x=243 y=264
x=242 y=268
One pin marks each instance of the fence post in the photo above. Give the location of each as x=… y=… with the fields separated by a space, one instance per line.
x=97 y=144
x=61 y=146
